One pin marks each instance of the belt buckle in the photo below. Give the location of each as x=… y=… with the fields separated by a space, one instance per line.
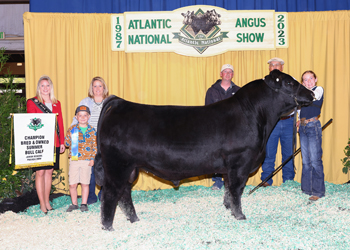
x=303 y=122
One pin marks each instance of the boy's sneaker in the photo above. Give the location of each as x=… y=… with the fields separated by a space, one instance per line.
x=84 y=208
x=72 y=207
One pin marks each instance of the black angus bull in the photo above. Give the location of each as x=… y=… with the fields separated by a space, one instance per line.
x=177 y=142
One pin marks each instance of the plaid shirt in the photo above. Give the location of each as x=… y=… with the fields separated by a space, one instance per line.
x=87 y=147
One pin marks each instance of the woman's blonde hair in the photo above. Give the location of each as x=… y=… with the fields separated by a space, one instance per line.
x=105 y=89
x=52 y=94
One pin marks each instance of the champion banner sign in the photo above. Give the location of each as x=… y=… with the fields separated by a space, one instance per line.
x=34 y=139
x=199 y=30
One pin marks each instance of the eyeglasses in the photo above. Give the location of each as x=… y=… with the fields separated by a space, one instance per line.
x=275 y=64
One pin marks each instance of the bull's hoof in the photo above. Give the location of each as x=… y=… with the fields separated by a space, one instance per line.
x=227 y=205
x=134 y=219
x=240 y=217
x=110 y=228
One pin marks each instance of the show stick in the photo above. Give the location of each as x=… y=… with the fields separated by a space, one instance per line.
x=284 y=163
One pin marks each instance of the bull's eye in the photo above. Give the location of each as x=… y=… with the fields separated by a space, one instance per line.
x=277 y=79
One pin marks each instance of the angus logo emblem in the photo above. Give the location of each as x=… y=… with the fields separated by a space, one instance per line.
x=35 y=124
x=200 y=29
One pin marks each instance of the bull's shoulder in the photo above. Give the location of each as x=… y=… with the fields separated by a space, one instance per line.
x=252 y=92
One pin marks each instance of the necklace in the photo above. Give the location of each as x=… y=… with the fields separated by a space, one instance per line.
x=97 y=103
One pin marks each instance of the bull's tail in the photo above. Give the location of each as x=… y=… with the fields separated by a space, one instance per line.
x=98 y=166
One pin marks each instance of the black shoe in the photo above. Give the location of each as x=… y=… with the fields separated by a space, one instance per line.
x=72 y=207
x=84 y=208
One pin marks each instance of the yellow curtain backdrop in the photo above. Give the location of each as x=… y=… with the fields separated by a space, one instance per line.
x=73 y=48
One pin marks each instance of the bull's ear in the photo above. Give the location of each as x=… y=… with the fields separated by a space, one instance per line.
x=271 y=82
x=275 y=78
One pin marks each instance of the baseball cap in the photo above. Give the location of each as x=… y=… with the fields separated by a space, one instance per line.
x=276 y=59
x=226 y=66
x=82 y=108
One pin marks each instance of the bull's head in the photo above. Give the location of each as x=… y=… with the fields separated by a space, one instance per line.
x=288 y=86
x=35 y=121
x=188 y=17
x=212 y=17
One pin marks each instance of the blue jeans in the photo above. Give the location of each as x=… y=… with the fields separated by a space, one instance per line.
x=92 y=198
x=312 y=177
x=283 y=131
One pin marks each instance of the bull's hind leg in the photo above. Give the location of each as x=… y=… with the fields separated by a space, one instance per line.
x=117 y=190
x=236 y=186
x=110 y=196
x=125 y=202
x=126 y=205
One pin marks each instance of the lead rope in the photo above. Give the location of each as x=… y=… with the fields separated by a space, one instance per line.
x=294 y=125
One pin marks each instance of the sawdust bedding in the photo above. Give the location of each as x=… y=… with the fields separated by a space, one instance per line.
x=191 y=218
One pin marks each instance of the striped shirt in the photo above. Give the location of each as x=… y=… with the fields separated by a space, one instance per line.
x=95 y=114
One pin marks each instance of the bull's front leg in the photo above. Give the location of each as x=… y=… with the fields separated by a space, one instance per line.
x=227 y=193
x=235 y=186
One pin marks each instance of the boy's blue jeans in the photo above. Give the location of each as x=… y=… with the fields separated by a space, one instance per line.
x=312 y=178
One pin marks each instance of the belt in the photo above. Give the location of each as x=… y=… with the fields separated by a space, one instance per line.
x=303 y=121
x=286 y=117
